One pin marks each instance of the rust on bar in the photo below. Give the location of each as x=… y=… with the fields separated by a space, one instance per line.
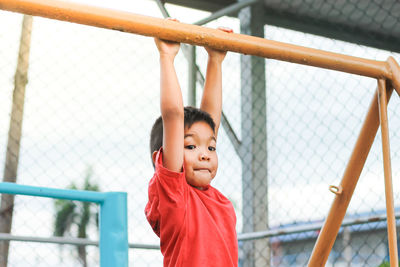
x=331 y=227
x=198 y=35
x=391 y=220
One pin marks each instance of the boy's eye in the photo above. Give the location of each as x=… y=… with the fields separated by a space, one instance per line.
x=190 y=147
x=211 y=148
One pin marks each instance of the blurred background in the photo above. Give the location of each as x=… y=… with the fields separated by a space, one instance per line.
x=90 y=97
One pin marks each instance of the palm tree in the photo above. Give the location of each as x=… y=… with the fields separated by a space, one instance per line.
x=76 y=215
x=14 y=134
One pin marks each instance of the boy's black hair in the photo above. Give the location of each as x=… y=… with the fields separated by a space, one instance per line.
x=191 y=115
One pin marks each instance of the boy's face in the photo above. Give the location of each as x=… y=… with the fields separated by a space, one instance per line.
x=200 y=156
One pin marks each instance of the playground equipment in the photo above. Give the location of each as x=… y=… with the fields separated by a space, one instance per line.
x=113 y=217
x=387 y=74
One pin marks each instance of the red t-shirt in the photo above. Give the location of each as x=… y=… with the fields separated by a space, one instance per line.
x=196 y=227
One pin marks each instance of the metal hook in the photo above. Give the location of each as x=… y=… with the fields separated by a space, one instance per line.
x=337 y=190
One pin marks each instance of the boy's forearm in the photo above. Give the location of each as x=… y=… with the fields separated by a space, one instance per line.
x=211 y=101
x=170 y=94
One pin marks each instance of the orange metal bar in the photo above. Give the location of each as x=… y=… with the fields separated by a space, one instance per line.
x=391 y=220
x=331 y=227
x=202 y=36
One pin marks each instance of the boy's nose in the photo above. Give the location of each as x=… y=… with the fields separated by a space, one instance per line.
x=204 y=156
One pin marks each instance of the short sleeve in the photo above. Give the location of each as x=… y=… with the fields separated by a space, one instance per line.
x=172 y=184
x=167 y=200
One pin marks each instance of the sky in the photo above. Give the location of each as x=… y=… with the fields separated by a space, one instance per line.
x=93 y=94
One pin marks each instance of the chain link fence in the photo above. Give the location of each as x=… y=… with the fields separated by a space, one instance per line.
x=93 y=94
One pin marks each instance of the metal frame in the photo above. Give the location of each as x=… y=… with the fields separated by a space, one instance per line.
x=113 y=217
x=385 y=71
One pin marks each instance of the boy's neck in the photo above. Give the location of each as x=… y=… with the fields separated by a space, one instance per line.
x=201 y=188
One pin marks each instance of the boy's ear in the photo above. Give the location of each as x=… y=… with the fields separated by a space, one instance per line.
x=153 y=156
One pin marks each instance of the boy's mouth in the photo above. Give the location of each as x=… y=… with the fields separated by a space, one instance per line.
x=202 y=170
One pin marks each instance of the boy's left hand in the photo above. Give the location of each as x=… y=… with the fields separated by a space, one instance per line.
x=218 y=54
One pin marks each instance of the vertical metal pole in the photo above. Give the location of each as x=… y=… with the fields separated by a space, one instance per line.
x=253 y=150
x=114 y=230
x=192 y=76
x=331 y=227
x=391 y=220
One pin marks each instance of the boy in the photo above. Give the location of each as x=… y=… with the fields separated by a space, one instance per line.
x=195 y=222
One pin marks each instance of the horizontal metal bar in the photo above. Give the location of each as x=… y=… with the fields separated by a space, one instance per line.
x=241 y=237
x=68 y=241
x=307 y=228
x=144 y=246
x=225 y=11
x=52 y=240
x=202 y=36
x=18 y=189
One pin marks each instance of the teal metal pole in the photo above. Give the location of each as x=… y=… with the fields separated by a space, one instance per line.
x=18 y=189
x=114 y=230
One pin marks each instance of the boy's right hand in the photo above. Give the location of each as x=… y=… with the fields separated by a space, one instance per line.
x=218 y=54
x=165 y=47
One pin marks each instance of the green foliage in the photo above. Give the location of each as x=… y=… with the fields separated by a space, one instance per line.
x=69 y=214
x=385 y=264
x=65 y=211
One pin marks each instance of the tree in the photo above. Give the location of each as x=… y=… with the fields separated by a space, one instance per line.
x=77 y=215
x=14 y=134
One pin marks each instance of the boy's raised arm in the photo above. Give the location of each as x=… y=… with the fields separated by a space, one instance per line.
x=171 y=105
x=211 y=101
